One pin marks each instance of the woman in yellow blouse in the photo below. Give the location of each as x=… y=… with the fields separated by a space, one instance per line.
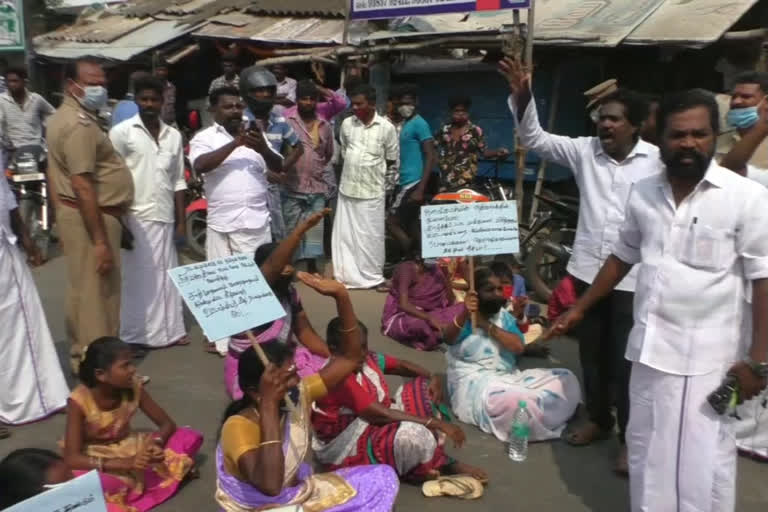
x=263 y=445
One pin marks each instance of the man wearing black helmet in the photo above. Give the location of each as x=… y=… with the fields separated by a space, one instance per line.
x=258 y=87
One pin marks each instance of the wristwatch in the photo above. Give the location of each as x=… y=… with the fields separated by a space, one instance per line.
x=760 y=369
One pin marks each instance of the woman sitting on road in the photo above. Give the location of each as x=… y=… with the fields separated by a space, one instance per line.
x=484 y=383
x=27 y=472
x=359 y=422
x=138 y=470
x=260 y=458
x=419 y=306
x=294 y=329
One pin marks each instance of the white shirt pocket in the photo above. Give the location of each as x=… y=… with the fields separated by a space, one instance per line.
x=706 y=247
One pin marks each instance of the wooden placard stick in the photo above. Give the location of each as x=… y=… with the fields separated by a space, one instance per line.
x=266 y=362
x=472 y=287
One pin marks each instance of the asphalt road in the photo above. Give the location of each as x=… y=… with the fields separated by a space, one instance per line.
x=188 y=383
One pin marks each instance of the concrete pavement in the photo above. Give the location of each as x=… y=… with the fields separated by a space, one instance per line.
x=189 y=384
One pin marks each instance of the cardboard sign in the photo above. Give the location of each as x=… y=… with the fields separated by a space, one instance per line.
x=371 y=9
x=83 y=494
x=227 y=296
x=470 y=229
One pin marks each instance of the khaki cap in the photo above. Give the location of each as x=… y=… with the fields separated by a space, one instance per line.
x=601 y=90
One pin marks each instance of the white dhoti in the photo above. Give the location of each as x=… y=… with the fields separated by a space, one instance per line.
x=151 y=313
x=30 y=373
x=222 y=245
x=682 y=455
x=358 y=242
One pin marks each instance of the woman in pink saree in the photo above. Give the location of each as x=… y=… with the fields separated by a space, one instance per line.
x=419 y=306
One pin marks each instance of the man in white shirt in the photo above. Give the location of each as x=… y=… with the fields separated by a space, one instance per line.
x=151 y=309
x=369 y=145
x=234 y=162
x=605 y=168
x=699 y=234
x=752 y=427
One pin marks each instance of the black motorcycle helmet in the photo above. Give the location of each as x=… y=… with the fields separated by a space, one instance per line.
x=254 y=81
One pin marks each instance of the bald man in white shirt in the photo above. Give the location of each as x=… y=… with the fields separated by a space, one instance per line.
x=699 y=235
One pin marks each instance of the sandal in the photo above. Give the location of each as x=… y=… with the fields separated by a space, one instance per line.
x=464 y=487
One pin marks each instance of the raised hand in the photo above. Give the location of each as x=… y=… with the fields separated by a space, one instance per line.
x=518 y=76
x=275 y=383
x=327 y=287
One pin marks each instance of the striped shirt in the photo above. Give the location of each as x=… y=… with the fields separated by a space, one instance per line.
x=366 y=149
x=23 y=125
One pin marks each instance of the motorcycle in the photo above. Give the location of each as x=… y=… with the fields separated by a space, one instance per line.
x=196 y=211
x=547 y=245
x=26 y=175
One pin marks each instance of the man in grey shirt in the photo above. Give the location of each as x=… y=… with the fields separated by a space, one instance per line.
x=22 y=112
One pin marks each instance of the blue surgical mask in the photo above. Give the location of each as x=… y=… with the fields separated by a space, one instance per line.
x=743 y=118
x=95 y=97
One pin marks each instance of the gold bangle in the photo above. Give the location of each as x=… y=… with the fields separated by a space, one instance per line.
x=351 y=329
x=265 y=443
x=456 y=323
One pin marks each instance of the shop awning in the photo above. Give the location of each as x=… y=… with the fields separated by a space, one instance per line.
x=276 y=30
x=596 y=23
x=689 y=23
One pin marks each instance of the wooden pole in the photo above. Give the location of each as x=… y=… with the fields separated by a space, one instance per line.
x=347 y=14
x=472 y=287
x=266 y=362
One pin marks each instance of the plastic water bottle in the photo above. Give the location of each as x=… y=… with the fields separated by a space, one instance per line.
x=518 y=435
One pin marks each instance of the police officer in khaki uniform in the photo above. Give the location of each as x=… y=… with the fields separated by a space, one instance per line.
x=92 y=188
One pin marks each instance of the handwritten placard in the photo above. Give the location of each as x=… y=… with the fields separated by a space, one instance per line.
x=83 y=494
x=227 y=296
x=469 y=229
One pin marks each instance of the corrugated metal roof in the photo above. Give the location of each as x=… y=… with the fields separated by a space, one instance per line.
x=149 y=36
x=308 y=31
x=596 y=23
x=335 y=8
x=104 y=30
x=705 y=22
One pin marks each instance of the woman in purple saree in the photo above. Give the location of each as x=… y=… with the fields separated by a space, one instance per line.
x=419 y=306
x=261 y=452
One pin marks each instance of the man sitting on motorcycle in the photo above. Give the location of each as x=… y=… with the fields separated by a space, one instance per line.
x=22 y=112
x=460 y=143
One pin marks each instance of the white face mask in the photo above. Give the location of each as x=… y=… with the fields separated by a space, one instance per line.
x=95 y=97
x=406 y=110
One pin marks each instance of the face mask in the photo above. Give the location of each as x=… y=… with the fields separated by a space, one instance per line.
x=259 y=108
x=94 y=98
x=743 y=117
x=491 y=307
x=406 y=110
